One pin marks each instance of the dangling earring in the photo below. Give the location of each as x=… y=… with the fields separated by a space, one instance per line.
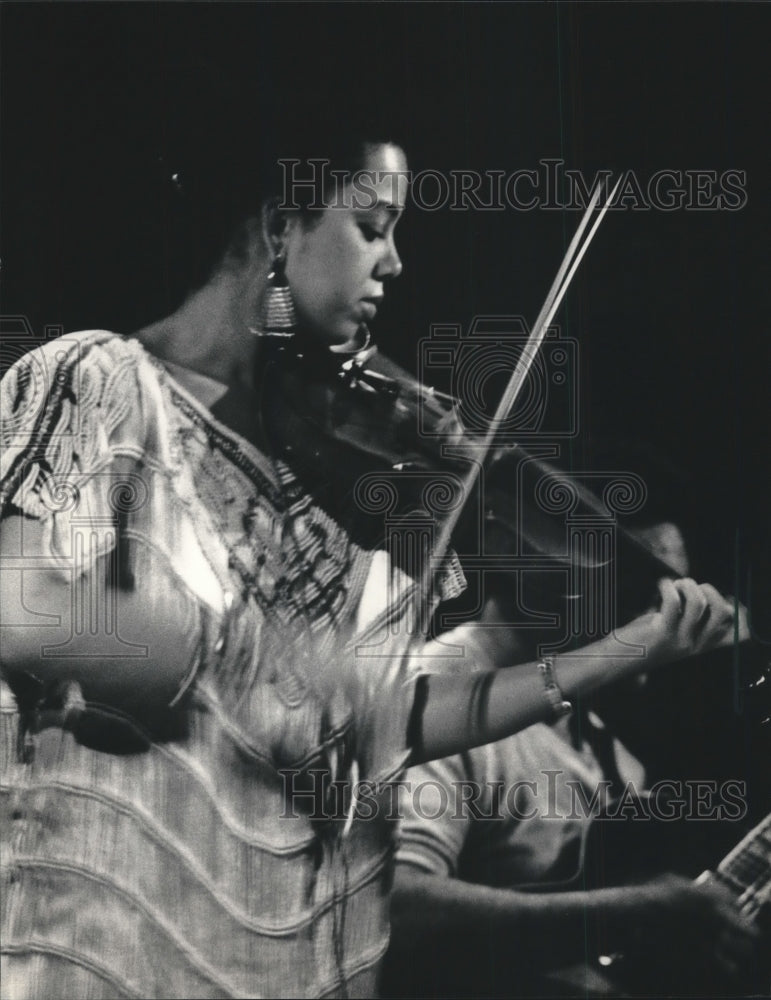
x=279 y=318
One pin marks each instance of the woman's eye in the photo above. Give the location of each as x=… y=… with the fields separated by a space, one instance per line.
x=370 y=232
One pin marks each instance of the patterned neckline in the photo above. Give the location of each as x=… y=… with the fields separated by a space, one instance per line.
x=274 y=471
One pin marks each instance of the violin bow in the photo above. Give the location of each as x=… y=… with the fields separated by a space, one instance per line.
x=573 y=257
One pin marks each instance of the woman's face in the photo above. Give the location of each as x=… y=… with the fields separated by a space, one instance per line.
x=337 y=264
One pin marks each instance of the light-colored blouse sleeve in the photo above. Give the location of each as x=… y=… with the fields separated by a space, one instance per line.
x=73 y=426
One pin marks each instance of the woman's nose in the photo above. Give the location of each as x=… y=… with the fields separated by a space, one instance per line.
x=390 y=264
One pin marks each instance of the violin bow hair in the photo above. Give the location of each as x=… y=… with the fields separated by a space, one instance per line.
x=573 y=257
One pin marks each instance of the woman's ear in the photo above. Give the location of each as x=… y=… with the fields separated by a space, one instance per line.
x=276 y=224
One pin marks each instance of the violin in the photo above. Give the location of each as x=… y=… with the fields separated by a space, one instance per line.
x=347 y=425
x=358 y=426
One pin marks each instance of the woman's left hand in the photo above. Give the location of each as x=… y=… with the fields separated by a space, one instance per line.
x=693 y=618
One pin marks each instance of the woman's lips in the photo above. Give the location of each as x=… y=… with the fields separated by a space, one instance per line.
x=369 y=307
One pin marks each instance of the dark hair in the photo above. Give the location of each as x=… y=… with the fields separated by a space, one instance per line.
x=162 y=133
x=221 y=159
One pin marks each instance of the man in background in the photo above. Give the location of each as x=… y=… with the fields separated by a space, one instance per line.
x=497 y=892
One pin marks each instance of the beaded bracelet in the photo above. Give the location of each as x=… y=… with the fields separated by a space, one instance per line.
x=559 y=706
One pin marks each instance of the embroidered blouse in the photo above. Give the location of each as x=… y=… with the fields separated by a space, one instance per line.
x=214 y=863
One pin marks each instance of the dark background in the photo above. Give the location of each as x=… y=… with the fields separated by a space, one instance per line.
x=669 y=309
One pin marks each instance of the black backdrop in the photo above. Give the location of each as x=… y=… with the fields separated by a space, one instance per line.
x=669 y=310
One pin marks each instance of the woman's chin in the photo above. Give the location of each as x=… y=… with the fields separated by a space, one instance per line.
x=341 y=337
x=334 y=336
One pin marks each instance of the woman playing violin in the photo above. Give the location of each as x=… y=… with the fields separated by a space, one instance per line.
x=192 y=737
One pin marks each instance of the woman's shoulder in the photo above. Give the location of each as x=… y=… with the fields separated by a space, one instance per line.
x=85 y=367
x=53 y=362
x=83 y=385
x=86 y=347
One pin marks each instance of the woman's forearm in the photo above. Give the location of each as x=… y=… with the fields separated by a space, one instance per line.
x=469 y=709
x=466 y=710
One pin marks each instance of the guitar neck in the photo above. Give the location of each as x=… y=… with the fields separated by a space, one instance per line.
x=747 y=869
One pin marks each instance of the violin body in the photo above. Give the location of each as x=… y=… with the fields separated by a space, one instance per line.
x=347 y=423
